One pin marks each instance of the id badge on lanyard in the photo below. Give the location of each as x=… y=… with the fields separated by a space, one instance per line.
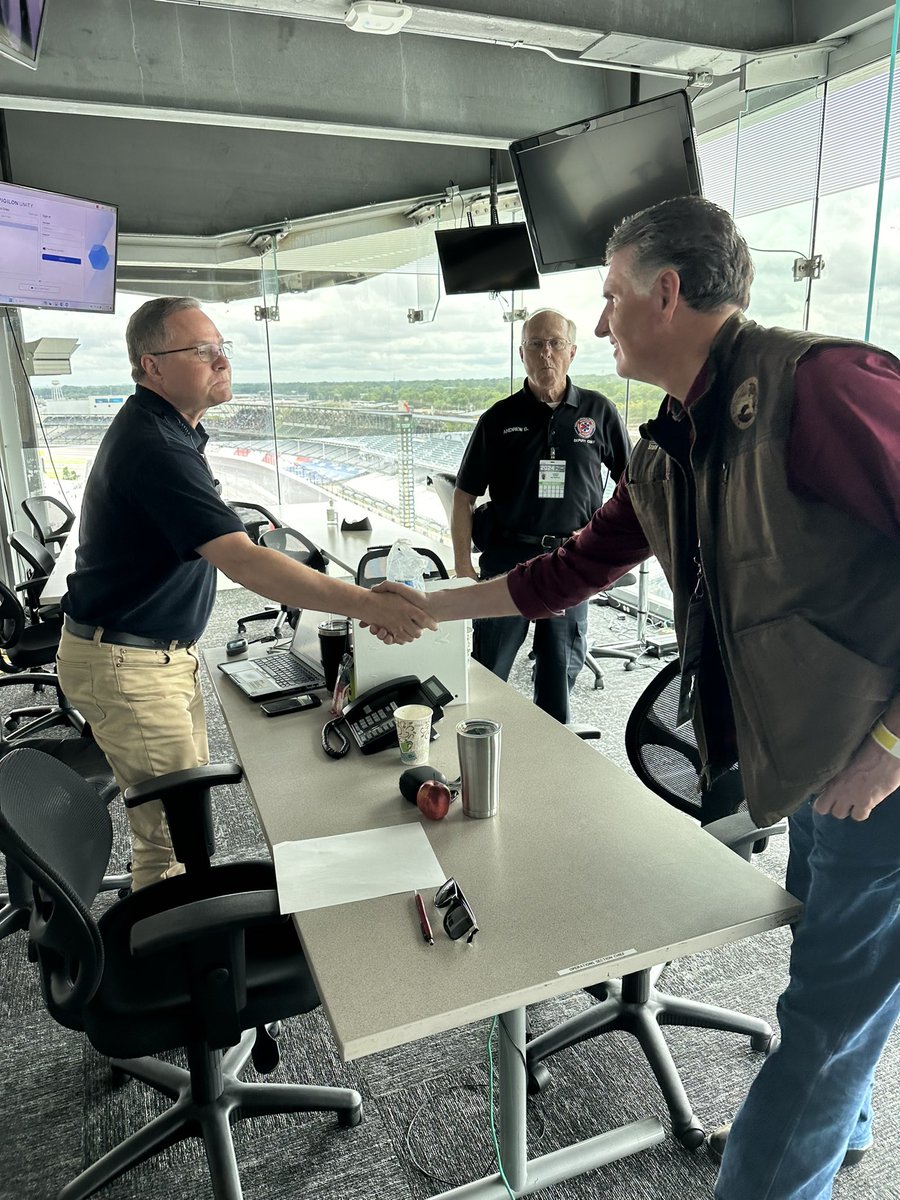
x=551 y=478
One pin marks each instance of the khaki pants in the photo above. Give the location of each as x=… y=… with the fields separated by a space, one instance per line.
x=145 y=709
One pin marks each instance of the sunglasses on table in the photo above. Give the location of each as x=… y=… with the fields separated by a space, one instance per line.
x=459 y=920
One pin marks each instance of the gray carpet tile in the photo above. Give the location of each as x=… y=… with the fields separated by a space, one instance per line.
x=426 y=1104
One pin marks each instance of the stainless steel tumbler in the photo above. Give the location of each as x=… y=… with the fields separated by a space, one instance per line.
x=478 y=744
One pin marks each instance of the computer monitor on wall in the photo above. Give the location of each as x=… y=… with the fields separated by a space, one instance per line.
x=486 y=258
x=577 y=182
x=56 y=251
x=21 y=27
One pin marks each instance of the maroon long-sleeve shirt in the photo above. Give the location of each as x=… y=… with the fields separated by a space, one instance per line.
x=844 y=450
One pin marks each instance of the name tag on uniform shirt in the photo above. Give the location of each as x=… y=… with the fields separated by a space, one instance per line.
x=551 y=478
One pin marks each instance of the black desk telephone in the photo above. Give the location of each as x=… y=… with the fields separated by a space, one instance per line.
x=370 y=717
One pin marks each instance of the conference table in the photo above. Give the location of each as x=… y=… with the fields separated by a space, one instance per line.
x=343 y=548
x=583 y=875
x=346 y=547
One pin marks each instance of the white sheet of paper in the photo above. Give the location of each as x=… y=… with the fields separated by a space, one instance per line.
x=320 y=872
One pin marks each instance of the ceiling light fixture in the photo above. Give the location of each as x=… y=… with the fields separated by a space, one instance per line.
x=377 y=16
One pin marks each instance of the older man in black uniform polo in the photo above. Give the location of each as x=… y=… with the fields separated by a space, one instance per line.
x=541 y=453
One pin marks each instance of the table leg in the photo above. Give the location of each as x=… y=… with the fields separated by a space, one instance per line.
x=528 y=1176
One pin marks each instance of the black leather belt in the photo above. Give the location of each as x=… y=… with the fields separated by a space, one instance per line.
x=111 y=638
x=548 y=541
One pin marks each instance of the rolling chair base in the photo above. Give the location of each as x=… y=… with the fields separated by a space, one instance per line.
x=208 y=1097
x=633 y=1005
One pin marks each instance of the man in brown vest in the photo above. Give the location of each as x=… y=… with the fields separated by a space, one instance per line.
x=768 y=487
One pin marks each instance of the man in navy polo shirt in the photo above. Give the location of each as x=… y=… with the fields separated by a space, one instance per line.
x=153 y=531
x=541 y=452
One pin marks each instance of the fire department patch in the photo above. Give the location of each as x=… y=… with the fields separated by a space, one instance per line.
x=744 y=403
x=585 y=427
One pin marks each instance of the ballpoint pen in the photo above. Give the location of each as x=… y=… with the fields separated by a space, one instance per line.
x=424 y=923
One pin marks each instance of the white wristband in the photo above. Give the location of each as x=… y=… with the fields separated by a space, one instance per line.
x=886 y=740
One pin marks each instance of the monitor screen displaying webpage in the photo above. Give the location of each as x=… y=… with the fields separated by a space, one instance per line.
x=56 y=251
x=21 y=26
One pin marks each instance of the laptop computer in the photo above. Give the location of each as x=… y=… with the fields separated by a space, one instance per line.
x=297 y=669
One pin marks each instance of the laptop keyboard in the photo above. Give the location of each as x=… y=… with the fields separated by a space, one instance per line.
x=289 y=672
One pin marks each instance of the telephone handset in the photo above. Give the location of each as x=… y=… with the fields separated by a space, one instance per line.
x=370 y=717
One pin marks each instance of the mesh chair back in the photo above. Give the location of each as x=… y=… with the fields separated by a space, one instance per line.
x=256 y=518
x=50 y=518
x=56 y=830
x=665 y=757
x=12 y=619
x=40 y=563
x=372 y=567
x=293 y=543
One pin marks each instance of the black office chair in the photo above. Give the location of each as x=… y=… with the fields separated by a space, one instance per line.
x=203 y=962
x=30 y=647
x=39 y=563
x=84 y=756
x=295 y=545
x=661 y=756
x=372 y=566
x=628 y=652
x=51 y=520
x=257 y=519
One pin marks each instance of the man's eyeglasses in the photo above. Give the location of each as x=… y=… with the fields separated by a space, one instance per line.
x=540 y=343
x=459 y=920
x=207 y=352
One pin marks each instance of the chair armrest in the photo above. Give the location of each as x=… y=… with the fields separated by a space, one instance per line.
x=187 y=782
x=587 y=733
x=739 y=833
x=185 y=795
x=202 y=919
x=38 y=678
x=32 y=582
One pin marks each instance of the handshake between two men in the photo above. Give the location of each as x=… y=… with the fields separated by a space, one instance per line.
x=420 y=610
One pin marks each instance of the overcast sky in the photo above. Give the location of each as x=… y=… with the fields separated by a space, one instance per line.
x=361 y=331
x=358 y=331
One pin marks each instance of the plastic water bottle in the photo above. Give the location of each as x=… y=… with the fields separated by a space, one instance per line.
x=331 y=517
x=406 y=565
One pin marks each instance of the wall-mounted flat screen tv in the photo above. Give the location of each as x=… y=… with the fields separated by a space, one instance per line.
x=576 y=183
x=21 y=26
x=486 y=258
x=56 y=251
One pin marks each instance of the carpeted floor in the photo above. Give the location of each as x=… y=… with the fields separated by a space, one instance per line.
x=426 y=1120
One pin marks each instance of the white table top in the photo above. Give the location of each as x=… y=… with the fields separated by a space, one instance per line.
x=345 y=548
x=583 y=875
x=55 y=587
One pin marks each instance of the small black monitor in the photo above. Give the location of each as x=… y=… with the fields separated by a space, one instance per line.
x=486 y=258
x=21 y=26
x=578 y=182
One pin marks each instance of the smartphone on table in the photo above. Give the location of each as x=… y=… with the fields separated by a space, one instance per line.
x=290 y=704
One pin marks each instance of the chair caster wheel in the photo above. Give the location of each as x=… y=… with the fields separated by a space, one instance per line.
x=691 y=1138
x=764 y=1043
x=539 y=1078
x=117 y=1077
x=629 y=666
x=349 y=1118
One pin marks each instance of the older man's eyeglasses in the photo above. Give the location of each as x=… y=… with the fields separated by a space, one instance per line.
x=556 y=343
x=459 y=920
x=207 y=352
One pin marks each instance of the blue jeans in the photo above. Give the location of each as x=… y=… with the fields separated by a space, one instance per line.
x=560 y=646
x=812 y=1098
